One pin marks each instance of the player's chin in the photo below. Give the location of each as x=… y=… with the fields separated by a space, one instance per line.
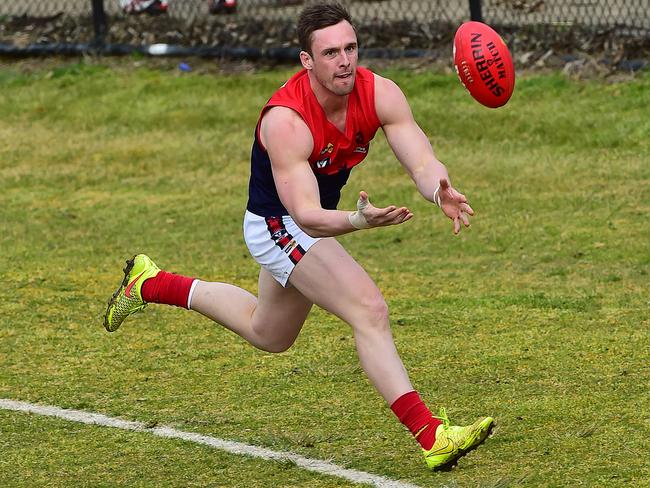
x=343 y=86
x=342 y=91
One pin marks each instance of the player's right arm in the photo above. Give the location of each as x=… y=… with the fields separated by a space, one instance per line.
x=289 y=143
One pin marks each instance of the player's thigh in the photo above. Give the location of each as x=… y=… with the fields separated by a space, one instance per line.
x=279 y=310
x=332 y=279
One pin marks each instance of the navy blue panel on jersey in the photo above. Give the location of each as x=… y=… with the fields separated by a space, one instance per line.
x=263 y=199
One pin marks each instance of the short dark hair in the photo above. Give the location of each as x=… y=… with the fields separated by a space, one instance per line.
x=319 y=16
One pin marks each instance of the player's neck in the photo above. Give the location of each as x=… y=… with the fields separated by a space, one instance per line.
x=332 y=104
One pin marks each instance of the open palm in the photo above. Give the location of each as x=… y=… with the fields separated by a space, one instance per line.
x=454 y=205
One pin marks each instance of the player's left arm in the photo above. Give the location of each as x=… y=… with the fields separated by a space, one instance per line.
x=413 y=150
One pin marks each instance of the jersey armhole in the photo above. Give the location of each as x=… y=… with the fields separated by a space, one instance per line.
x=264 y=110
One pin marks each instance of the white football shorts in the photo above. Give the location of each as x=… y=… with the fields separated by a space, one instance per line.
x=276 y=243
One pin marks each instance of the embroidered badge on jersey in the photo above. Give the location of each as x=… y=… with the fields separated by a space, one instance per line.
x=324 y=155
x=362 y=146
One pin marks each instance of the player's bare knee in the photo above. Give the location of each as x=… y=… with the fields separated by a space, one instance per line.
x=277 y=347
x=274 y=339
x=373 y=313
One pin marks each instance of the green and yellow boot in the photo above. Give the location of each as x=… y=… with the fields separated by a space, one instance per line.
x=127 y=299
x=453 y=442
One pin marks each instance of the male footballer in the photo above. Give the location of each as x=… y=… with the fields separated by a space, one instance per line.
x=309 y=136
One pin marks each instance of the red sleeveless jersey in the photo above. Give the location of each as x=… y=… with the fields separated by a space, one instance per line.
x=333 y=149
x=335 y=153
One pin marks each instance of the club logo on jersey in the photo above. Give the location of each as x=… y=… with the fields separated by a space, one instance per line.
x=327 y=149
x=362 y=146
x=323 y=162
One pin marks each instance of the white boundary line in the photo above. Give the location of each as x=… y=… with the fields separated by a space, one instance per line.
x=322 y=467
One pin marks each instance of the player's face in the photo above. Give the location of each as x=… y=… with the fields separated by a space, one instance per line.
x=335 y=55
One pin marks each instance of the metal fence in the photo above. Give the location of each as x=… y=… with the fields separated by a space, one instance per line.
x=263 y=25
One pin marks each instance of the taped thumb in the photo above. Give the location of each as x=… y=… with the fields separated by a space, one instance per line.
x=357 y=218
x=362 y=203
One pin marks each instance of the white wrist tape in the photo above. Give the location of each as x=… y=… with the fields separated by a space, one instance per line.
x=436 y=196
x=357 y=219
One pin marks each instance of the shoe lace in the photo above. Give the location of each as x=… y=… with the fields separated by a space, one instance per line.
x=442 y=416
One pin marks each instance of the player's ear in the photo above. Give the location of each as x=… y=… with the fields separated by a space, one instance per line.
x=306 y=60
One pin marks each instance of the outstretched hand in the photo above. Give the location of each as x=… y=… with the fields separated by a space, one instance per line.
x=379 y=217
x=454 y=205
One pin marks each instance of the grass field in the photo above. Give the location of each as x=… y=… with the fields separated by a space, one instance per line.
x=538 y=315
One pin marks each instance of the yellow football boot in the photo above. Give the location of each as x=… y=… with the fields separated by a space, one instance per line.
x=453 y=442
x=127 y=299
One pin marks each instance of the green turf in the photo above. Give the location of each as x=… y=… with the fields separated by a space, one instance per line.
x=538 y=315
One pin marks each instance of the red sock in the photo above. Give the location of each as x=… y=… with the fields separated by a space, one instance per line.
x=414 y=414
x=167 y=288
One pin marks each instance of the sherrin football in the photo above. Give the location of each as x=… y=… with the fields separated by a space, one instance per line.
x=483 y=63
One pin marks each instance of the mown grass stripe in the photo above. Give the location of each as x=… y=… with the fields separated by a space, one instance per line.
x=239 y=448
